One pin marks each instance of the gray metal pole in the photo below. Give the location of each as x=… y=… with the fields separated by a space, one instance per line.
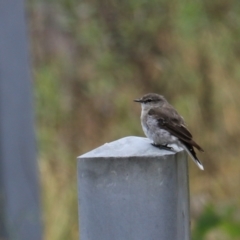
x=130 y=190
x=19 y=188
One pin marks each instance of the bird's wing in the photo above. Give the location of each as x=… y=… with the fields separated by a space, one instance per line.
x=170 y=120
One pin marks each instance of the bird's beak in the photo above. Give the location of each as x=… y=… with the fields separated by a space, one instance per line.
x=138 y=100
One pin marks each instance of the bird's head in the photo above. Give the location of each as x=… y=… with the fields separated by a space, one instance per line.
x=151 y=100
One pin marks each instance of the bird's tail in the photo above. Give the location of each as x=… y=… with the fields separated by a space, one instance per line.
x=192 y=154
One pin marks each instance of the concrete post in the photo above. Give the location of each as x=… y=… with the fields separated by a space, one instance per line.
x=130 y=190
x=20 y=217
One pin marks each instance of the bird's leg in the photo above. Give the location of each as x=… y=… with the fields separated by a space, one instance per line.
x=163 y=146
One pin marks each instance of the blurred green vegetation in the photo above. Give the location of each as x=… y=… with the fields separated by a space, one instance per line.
x=92 y=58
x=219 y=224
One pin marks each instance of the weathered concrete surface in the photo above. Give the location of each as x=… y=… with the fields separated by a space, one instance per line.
x=130 y=190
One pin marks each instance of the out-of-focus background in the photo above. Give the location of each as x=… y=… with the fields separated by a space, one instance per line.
x=92 y=58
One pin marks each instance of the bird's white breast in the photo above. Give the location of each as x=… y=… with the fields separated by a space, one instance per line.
x=154 y=132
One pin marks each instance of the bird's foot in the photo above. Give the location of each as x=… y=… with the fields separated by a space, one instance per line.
x=165 y=147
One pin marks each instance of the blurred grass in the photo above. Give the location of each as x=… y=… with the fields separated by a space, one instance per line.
x=91 y=59
x=217 y=224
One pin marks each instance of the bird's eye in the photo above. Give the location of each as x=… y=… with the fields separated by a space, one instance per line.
x=148 y=100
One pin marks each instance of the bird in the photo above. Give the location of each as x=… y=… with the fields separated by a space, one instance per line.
x=163 y=125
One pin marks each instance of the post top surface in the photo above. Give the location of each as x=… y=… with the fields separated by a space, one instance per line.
x=131 y=146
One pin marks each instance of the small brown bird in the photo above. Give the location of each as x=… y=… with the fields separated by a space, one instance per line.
x=163 y=125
